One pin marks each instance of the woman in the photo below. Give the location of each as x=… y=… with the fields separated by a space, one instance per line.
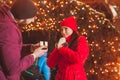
x=69 y=59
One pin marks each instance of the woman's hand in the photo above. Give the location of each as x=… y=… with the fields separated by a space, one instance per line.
x=61 y=41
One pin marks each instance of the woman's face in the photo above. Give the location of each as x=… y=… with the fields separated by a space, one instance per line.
x=66 y=31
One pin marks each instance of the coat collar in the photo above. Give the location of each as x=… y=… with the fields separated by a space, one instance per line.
x=5 y=9
x=68 y=39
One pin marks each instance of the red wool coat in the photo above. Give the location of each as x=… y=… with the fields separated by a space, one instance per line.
x=70 y=63
x=11 y=63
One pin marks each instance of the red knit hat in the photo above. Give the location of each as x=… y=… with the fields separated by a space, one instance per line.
x=69 y=22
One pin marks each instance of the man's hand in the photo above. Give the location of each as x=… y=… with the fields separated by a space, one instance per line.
x=39 y=52
x=34 y=46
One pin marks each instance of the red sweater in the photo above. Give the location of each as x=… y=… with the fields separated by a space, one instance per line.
x=10 y=48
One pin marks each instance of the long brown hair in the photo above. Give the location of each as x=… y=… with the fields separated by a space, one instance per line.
x=73 y=42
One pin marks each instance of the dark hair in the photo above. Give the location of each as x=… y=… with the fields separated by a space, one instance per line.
x=73 y=43
x=23 y=9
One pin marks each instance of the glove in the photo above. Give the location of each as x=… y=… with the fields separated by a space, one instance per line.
x=61 y=41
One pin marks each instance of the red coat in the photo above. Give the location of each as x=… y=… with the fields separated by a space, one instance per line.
x=10 y=48
x=70 y=63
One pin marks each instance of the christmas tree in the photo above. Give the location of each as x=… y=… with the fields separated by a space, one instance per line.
x=103 y=62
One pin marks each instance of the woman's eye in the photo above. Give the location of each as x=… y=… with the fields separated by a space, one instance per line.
x=66 y=28
x=61 y=29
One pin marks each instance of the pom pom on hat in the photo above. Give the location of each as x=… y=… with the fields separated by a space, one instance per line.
x=23 y=9
x=69 y=22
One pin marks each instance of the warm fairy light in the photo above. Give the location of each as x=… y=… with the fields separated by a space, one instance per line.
x=11 y=1
x=95 y=62
x=116 y=38
x=35 y=4
x=92 y=71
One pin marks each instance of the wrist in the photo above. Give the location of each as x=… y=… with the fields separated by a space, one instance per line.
x=34 y=56
x=59 y=47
